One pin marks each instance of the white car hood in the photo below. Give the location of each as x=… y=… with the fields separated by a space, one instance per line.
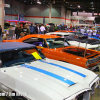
x=44 y=79
x=89 y=46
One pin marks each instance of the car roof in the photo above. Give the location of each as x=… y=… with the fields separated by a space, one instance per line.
x=83 y=39
x=6 y=46
x=42 y=36
x=60 y=33
x=65 y=31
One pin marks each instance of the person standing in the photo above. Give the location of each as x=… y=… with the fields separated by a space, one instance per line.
x=36 y=29
x=42 y=29
x=46 y=29
x=17 y=31
x=89 y=31
x=31 y=27
x=25 y=30
x=0 y=33
x=56 y=28
x=51 y=28
x=94 y=32
x=82 y=30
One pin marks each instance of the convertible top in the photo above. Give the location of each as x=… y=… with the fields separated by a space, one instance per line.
x=83 y=39
x=14 y=45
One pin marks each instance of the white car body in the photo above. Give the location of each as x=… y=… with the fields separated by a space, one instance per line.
x=74 y=43
x=48 y=79
x=36 y=85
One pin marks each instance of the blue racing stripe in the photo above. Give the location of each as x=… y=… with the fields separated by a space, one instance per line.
x=64 y=68
x=49 y=74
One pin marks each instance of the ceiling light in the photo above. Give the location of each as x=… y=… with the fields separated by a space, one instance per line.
x=78 y=6
x=38 y=2
x=83 y=10
x=71 y=5
x=91 y=3
x=54 y=2
x=31 y=2
x=66 y=2
x=24 y=0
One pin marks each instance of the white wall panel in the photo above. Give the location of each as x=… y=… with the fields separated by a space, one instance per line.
x=82 y=18
x=41 y=10
x=40 y=20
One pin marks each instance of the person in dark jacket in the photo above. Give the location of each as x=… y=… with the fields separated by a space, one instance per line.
x=51 y=29
x=25 y=30
x=31 y=27
x=0 y=33
x=17 y=31
x=37 y=29
x=45 y=29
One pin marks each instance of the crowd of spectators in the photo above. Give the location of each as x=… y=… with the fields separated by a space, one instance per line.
x=26 y=29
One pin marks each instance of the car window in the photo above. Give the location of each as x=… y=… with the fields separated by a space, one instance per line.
x=57 y=42
x=59 y=35
x=17 y=57
x=36 y=41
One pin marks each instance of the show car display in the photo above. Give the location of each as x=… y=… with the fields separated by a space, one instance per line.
x=58 y=48
x=76 y=43
x=97 y=37
x=25 y=76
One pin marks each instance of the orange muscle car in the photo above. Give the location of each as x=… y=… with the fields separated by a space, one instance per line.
x=58 y=48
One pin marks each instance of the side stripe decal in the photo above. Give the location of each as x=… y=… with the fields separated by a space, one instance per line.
x=64 y=68
x=49 y=74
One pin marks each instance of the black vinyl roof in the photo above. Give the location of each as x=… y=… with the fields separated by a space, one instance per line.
x=14 y=45
x=83 y=39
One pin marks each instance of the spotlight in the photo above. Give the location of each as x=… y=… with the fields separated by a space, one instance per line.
x=38 y=2
x=54 y=2
x=78 y=6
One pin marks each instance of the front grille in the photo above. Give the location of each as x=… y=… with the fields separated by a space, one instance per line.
x=94 y=60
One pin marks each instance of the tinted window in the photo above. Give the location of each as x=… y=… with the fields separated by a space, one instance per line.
x=57 y=42
x=17 y=57
x=36 y=41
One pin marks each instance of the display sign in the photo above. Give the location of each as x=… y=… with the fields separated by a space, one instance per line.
x=21 y=17
x=36 y=55
x=7 y=5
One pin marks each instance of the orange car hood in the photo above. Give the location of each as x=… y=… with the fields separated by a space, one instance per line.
x=75 y=51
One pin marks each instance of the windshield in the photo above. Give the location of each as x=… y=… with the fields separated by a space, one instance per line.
x=57 y=43
x=17 y=57
x=77 y=33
